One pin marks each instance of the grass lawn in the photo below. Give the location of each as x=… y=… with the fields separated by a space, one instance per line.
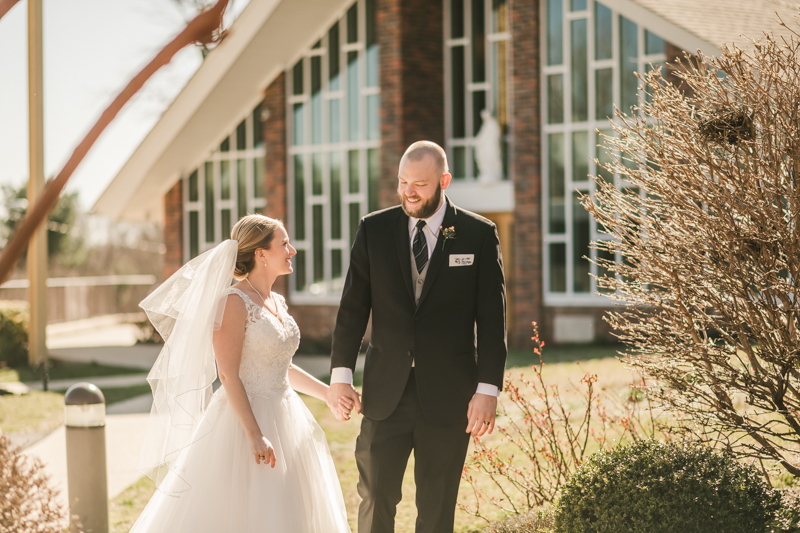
x=43 y=412
x=62 y=370
x=127 y=506
x=565 y=366
x=34 y=412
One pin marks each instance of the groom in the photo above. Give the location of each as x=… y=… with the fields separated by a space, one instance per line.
x=431 y=275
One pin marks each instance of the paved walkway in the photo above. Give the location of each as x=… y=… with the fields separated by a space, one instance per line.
x=109 y=342
x=126 y=380
x=124 y=437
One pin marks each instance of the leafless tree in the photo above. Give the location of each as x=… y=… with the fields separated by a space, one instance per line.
x=702 y=239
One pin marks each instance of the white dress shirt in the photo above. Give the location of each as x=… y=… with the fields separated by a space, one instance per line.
x=433 y=223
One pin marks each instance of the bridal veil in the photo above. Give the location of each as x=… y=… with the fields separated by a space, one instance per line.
x=186 y=310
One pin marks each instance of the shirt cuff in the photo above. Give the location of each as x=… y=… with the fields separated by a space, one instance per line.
x=343 y=374
x=484 y=388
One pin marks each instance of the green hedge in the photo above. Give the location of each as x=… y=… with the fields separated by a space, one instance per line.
x=788 y=518
x=656 y=487
x=534 y=521
x=13 y=333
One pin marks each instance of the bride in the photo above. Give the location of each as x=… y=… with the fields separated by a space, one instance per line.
x=249 y=457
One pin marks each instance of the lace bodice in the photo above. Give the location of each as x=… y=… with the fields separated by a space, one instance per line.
x=269 y=344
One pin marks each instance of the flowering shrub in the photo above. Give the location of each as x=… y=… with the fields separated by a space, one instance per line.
x=543 y=442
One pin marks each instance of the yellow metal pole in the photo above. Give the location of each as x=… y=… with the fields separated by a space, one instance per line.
x=37 y=247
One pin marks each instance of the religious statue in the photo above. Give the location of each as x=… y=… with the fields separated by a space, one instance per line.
x=488 y=155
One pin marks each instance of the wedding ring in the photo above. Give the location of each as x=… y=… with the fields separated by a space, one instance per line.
x=487 y=423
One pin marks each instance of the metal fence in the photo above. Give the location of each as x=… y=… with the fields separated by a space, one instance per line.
x=85 y=297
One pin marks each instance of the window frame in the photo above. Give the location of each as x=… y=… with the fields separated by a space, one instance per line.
x=567 y=127
x=328 y=290
x=253 y=205
x=470 y=87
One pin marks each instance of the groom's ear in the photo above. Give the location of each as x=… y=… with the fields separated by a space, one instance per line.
x=445 y=181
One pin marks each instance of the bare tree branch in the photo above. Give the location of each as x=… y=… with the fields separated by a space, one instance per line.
x=704 y=216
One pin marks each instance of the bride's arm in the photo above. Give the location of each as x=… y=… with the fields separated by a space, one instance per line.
x=228 y=341
x=304 y=382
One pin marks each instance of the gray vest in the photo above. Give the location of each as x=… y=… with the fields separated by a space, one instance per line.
x=418 y=279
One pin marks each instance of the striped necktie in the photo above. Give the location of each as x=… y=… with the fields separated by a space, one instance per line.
x=420 y=247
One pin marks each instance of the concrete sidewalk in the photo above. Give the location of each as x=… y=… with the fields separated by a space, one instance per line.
x=109 y=342
x=124 y=437
x=126 y=380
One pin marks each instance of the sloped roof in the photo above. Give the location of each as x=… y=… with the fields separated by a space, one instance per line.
x=270 y=34
x=267 y=36
x=728 y=22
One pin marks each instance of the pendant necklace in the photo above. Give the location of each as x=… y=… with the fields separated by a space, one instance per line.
x=275 y=312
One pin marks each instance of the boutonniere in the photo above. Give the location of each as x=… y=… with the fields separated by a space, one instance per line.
x=448 y=234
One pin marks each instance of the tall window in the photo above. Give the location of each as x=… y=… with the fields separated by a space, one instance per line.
x=477 y=42
x=334 y=142
x=228 y=185
x=590 y=54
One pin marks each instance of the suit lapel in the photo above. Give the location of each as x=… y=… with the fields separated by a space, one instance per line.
x=402 y=240
x=440 y=252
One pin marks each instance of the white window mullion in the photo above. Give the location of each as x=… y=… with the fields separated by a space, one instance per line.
x=185 y=216
x=469 y=163
x=326 y=290
x=570 y=297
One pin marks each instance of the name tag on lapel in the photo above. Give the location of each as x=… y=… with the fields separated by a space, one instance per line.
x=460 y=260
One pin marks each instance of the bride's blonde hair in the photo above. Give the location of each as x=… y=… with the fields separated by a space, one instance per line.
x=252 y=232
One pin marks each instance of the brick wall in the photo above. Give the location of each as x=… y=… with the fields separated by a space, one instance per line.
x=173 y=230
x=275 y=159
x=527 y=286
x=411 y=45
x=274 y=105
x=412 y=108
x=315 y=322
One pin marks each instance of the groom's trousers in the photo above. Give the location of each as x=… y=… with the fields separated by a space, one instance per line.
x=382 y=452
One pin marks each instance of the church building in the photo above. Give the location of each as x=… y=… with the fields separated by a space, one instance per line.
x=303 y=112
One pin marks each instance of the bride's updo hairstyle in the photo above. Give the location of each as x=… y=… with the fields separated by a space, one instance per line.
x=252 y=232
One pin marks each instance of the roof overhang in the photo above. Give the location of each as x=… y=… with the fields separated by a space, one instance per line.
x=264 y=39
x=669 y=31
x=719 y=22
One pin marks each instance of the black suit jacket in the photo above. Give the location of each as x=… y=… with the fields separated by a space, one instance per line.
x=457 y=334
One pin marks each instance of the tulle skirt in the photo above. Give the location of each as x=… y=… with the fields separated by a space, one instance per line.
x=224 y=490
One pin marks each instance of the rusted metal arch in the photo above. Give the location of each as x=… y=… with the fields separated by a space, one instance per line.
x=205 y=28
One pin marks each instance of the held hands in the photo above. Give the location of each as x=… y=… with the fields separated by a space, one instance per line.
x=481 y=414
x=342 y=398
x=262 y=450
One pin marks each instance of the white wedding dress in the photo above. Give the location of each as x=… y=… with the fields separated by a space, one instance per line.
x=221 y=488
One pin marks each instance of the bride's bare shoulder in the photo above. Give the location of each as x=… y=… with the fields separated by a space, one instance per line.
x=235 y=308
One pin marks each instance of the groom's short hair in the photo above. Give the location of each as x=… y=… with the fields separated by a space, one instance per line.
x=420 y=149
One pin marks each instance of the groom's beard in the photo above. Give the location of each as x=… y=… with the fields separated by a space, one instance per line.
x=425 y=208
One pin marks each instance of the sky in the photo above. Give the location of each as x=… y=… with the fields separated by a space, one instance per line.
x=92 y=48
